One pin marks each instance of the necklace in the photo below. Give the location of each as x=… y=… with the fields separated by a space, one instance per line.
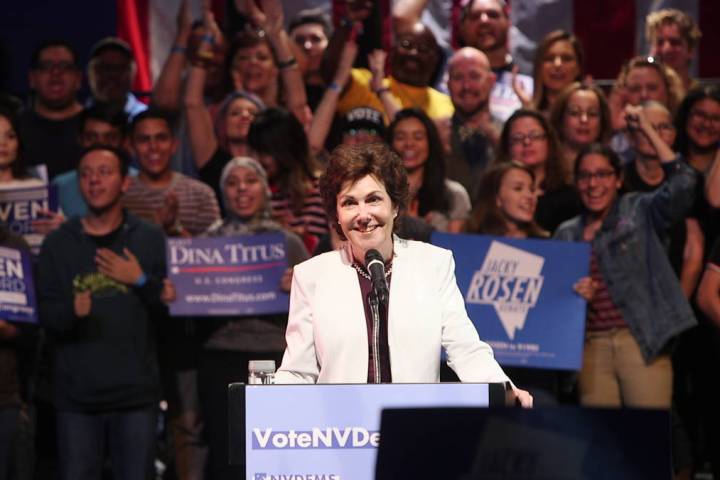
x=365 y=274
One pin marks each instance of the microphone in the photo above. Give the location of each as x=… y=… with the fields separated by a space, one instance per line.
x=376 y=266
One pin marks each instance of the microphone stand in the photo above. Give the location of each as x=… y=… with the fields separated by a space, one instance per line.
x=374 y=302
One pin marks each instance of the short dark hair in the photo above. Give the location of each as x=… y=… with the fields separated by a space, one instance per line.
x=35 y=57
x=104 y=113
x=350 y=163
x=120 y=154
x=153 y=113
x=314 y=16
x=599 y=149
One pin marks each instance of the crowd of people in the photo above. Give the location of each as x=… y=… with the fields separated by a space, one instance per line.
x=235 y=139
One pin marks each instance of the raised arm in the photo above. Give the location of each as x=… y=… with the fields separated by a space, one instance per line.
x=167 y=90
x=325 y=111
x=376 y=61
x=203 y=140
x=406 y=13
x=671 y=202
x=269 y=16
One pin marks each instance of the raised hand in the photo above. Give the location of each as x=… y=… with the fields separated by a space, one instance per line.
x=51 y=221
x=168 y=213
x=519 y=89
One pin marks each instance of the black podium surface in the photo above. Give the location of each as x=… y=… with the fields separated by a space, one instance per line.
x=509 y=443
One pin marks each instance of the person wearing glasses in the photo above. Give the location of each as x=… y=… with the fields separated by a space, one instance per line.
x=49 y=128
x=529 y=139
x=580 y=116
x=636 y=305
x=645 y=174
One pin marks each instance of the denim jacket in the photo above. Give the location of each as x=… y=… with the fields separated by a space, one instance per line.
x=634 y=263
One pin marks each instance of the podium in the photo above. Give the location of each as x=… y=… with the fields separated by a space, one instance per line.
x=330 y=431
x=512 y=443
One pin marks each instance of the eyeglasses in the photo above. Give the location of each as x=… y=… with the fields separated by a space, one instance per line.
x=47 y=66
x=519 y=138
x=704 y=116
x=585 y=177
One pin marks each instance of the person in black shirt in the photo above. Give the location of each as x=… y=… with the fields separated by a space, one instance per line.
x=49 y=128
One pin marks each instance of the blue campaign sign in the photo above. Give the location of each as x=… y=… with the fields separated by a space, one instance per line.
x=20 y=206
x=17 y=291
x=228 y=275
x=332 y=431
x=519 y=294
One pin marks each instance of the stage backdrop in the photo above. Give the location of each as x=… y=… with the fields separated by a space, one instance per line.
x=519 y=294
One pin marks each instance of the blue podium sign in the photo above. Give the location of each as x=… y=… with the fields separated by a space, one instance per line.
x=228 y=275
x=332 y=431
x=519 y=294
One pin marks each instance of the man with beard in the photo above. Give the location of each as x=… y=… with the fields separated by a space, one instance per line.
x=470 y=135
x=414 y=60
x=110 y=73
x=49 y=128
x=99 y=289
x=484 y=24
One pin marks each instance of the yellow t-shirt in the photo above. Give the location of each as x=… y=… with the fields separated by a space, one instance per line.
x=436 y=104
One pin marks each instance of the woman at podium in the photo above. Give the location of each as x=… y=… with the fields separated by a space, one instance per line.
x=351 y=324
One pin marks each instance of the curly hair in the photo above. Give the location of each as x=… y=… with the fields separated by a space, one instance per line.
x=670 y=16
x=350 y=163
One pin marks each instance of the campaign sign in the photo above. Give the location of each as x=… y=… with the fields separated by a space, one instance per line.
x=332 y=432
x=20 y=206
x=17 y=292
x=228 y=275
x=519 y=294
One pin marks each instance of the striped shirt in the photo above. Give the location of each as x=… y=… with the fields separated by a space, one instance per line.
x=603 y=314
x=197 y=203
x=310 y=221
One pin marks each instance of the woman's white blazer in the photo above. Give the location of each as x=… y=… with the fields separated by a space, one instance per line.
x=327 y=339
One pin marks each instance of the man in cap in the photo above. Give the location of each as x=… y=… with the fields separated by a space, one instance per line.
x=110 y=74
